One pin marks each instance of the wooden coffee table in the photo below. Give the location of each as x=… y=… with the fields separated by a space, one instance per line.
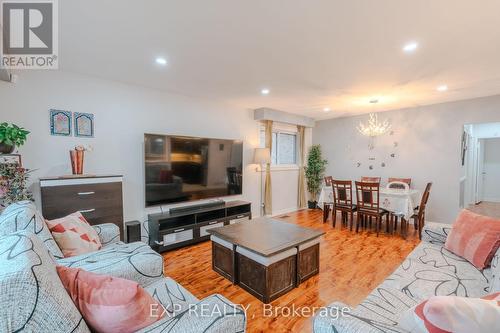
x=266 y=257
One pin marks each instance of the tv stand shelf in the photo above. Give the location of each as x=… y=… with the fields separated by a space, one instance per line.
x=189 y=225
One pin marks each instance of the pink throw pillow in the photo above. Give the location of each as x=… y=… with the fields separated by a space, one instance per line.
x=74 y=235
x=474 y=237
x=443 y=314
x=109 y=304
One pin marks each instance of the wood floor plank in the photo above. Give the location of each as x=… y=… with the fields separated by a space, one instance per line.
x=351 y=265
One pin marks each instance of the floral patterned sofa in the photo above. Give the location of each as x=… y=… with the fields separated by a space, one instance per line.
x=428 y=270
x=33 y=298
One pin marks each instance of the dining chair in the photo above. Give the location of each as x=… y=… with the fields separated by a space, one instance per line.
x=342 y=201
x=370 y=179
x=402 y=180
x=368 y=204
x=327 y=206
x=419 y=216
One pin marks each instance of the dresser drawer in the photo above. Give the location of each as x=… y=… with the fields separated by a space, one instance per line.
x=99 y=203
x=77 y=197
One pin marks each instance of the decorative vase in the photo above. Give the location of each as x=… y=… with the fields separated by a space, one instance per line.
x=76 y=157
x=6 y=149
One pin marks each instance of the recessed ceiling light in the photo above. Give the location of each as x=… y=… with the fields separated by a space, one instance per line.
x=410 y=47
x=326 y=109
x=265 y=91
x=161 y=61
x=442 y=87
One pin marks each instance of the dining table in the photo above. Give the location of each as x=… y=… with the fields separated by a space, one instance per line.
x=401 y=202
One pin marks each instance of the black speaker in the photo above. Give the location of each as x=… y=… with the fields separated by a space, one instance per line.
x=133 y=231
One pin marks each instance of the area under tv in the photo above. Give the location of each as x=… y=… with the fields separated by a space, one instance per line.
x=171 y=230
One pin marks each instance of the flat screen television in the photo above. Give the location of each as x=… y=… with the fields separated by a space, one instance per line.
x=182 y=168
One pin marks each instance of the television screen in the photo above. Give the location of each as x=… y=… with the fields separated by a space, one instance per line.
x=180 y=168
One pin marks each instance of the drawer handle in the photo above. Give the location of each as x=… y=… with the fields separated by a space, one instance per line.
x=240 y=216
x=85 y=193
x=87 y=210
x=159 y=243
x=213 y=222
x=179 y=230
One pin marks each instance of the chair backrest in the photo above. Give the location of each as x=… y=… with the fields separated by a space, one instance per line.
x=421 y=208
x=367 y=195
x=402 y=180
x=342 y=192
x=425 y=199
x=233 y=176
x=398 y=185
x=328 y=180
x=370 y=179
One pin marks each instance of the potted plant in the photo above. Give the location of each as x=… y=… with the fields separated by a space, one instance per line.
x=11 y=136
x=314 y=171
x=13 y=184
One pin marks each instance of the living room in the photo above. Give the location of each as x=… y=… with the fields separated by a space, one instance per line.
x=288 y=165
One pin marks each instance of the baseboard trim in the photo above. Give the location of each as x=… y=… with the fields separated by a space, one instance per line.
x=491 y=199
x=285 y=211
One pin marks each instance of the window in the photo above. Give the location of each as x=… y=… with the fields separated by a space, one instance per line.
x=284 y=146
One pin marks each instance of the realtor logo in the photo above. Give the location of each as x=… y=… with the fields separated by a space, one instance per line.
x=29 y=36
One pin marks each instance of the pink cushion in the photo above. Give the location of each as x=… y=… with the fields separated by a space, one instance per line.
x=474 y=237
x=74 y=235
x=442 y=314
x=109 y=304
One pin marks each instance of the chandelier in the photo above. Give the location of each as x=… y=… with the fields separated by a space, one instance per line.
x=374 y=127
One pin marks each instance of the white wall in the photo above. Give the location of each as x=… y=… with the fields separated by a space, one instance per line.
x=123 y=113
x=491 y=189
x=428 y=140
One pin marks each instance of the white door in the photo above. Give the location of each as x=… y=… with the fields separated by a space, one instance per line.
x=491 y=170
x=480 y=174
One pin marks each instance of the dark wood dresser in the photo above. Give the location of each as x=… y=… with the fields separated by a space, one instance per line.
x=98 y=198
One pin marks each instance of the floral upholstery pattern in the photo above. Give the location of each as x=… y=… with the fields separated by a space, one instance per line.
x=23 y=215
x=134 y=261
x=32 y=297
x=429 y=270
x=108 y=233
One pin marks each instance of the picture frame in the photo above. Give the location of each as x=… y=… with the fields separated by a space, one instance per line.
x=60 y=122
x=84 y=125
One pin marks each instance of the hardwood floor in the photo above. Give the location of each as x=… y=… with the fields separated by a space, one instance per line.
x=487 y=208
x=351 y=265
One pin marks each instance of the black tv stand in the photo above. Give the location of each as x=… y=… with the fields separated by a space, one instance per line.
x=188 y=225
x=194 y=208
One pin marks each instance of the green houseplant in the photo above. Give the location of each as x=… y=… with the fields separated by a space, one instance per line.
x=13 y=184
x=314 y=171
x=11 y=136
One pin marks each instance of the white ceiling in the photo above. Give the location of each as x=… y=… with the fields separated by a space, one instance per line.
x=310 y=53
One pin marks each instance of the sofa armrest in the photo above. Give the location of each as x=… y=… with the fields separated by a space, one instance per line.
x=108 y=233
x=435 y=233
x=210 y=315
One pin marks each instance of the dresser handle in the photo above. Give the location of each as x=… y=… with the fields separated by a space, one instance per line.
x=159 y=243
x=87 y=210
x=240 y=216
x=213 y=222
x=85 y=193
x=179 y=230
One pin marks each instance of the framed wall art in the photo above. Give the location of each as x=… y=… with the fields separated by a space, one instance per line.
x=84 y=125
x=60 y=122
